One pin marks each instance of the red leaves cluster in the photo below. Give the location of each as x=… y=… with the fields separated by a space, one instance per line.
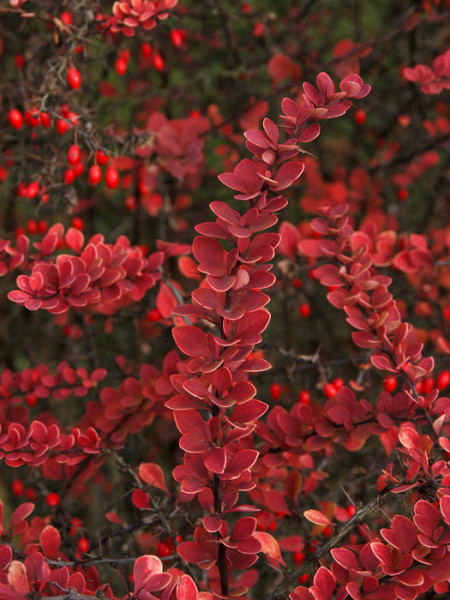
x=215 y=409
x=98 y=274
x=431 y=80
x=410 y=559
x=132 y=14
x=321 y=103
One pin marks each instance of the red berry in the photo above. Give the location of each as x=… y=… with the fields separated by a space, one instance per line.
x=177 y=37
x=272 y=526
x=32 y=226
x=351 y=510
x=303 y=578
x=258 y=29
x=327 y=532
x=446 y=313
x=74 y=154
x=112 y=178
x=158 y=61
x=329 y=390
x=299 y=558
x=52 y=499
x=78 y=169
x=297 y=283
x=45 y=119
x=101 y=158
x=442 y=380
x=163 y=549
x=304 y=310
x=66 y=17
x=390 y=384
x=32 y=118
x=338 y=383
x=304 y=397
x=69 y=176
x=74 y=78
x=402 y=194
x=83 y=545
x=121 y=66
x=15 y=118
x=153 y=315
x=62 y=126
x=32 y=190
x=30 y=494
x=275 y=391
x=17 y=487
x=95 y=174
x=42 y=226
x=360 y=117
x=78 y=223
x=428 y=385
x=146 y=50
x=19 y=61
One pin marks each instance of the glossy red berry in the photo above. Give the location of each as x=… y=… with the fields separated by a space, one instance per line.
x=303 y=578
x=121 y=66
x=15 y=118
x=443 y=380
x=329 y=390
x=112 y=178
x=402 y=194
x=69 y=176
x=428 y=385
x=66 y=18
x=31 y=400
x=163 y=549
x=177 y=37
x=83 y=545
x=153 y=315
x=390 y=384
x=297 y=282
x=74 y=78
x=304 y=397
x=17 y=487
x=52 y=499
x=446 y=313
x=95 y=175
x=78 y=223
x=360 y=117
x=101 y=158
x=45 y=119
x=299 y=558
x=158 y=61
x=30 y=494
x=74 y=154
x=275 y=391
x=146 y=50
x=304 y=310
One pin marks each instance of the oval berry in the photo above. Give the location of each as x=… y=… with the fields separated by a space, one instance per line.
x=112 y=177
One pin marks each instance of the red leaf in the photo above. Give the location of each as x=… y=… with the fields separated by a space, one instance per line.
x=17 y=577
x=216 y=460
x=186 y=590
x=153 y=475
x=316 y=517
x=165 y=300
x=50 y=540
x=21 y=513
x=191 y=340
x=324 y=584
x=269 y=546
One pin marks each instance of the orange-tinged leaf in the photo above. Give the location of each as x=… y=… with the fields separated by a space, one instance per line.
x=315 y=516
x=152 y=474
x=269 y=546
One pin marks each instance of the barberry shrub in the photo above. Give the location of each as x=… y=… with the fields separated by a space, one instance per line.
x=225 y=301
